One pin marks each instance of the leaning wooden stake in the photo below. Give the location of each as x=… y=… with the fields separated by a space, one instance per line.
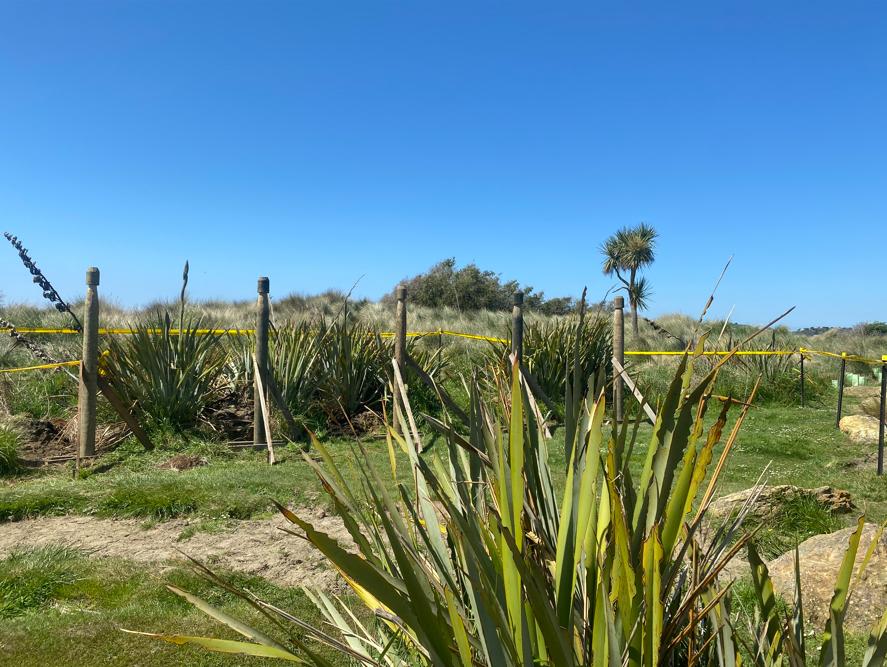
x=296 y=431
x=89 y=365
x=125 y=414
x=632 y=387
x=263 y=313
x=263 y=408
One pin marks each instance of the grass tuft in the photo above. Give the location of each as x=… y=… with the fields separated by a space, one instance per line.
x=10 y=463
x=30 y=578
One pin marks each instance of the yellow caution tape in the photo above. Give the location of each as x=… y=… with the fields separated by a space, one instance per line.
x=747 y=353
x=105 y=331
x=845 y=355
x=40 y=367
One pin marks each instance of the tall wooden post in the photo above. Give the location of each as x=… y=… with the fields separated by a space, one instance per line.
x=841 y=388
x=89 y=365
x=618 y=353
x=400 y=343
x=883 y=415
x=517 y=327
x=263 y=313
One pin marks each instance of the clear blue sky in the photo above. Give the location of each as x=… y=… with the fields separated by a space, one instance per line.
x=318 y=142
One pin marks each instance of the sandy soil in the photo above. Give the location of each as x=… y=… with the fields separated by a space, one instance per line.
x=252 y=547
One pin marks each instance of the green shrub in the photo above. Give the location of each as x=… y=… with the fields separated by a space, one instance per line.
x=549 y=348
x=471 y=289
x=171 y=378
x=354 y=363
x=295 y=358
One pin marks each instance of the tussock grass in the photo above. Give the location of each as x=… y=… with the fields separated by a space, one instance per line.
x=10 y=464
x=796 y=520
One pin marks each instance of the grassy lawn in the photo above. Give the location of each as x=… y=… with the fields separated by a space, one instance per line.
x=60 y=606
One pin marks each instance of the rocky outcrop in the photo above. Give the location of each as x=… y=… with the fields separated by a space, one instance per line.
x=861 y=429
x=871 y=406
x=820 y=558
x=772 y=498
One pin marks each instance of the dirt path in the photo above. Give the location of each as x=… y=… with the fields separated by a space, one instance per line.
x=252 y=547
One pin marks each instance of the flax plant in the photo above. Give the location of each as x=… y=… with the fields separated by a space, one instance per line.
x=481 y=561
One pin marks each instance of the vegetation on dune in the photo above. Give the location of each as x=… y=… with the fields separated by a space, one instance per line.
x=470 y=289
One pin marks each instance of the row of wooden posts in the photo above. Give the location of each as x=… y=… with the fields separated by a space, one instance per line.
x=264 y=390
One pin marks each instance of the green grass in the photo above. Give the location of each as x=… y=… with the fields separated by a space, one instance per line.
x=232 y=486
x=30 y=578
x=58 y=606
x=10 y=463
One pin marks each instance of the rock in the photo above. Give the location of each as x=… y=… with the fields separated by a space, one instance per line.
x=820 y=559
x=183 y=462
x=772 y=498
x=871 y=406
x=863 y=391
x=861 y=429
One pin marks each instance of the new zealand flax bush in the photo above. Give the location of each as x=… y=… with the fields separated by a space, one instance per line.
x=551 y=346
x=171 y=378
x=477 y=559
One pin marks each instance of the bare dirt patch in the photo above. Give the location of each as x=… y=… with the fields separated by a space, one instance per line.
x=252 y=547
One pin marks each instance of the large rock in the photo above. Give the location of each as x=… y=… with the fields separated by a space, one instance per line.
x=861 y=429
x=771 y=499
x=871 y=406
x=820 y=559
x=863 y=391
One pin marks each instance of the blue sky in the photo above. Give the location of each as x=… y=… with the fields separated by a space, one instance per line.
x=323 y=142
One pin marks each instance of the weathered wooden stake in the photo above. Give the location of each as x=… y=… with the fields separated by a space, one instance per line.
x=883 y=415
x=89 y=365
x=803 y=391
x=618 y=353
x=517 y=327
x=400 y=343
x=841 y=388
x=263 y=312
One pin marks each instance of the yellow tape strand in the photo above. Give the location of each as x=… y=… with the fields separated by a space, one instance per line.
x=459 y=334
x=675 y=353
x=106 y=331
x=40 y=367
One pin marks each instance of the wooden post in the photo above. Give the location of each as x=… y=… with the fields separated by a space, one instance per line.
x=841 y=388
x=89 y=365
x=803 y=389
x=883 y=415
x=618 y=353
x=400 y=343
x=517 y=327
x=263 y=311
